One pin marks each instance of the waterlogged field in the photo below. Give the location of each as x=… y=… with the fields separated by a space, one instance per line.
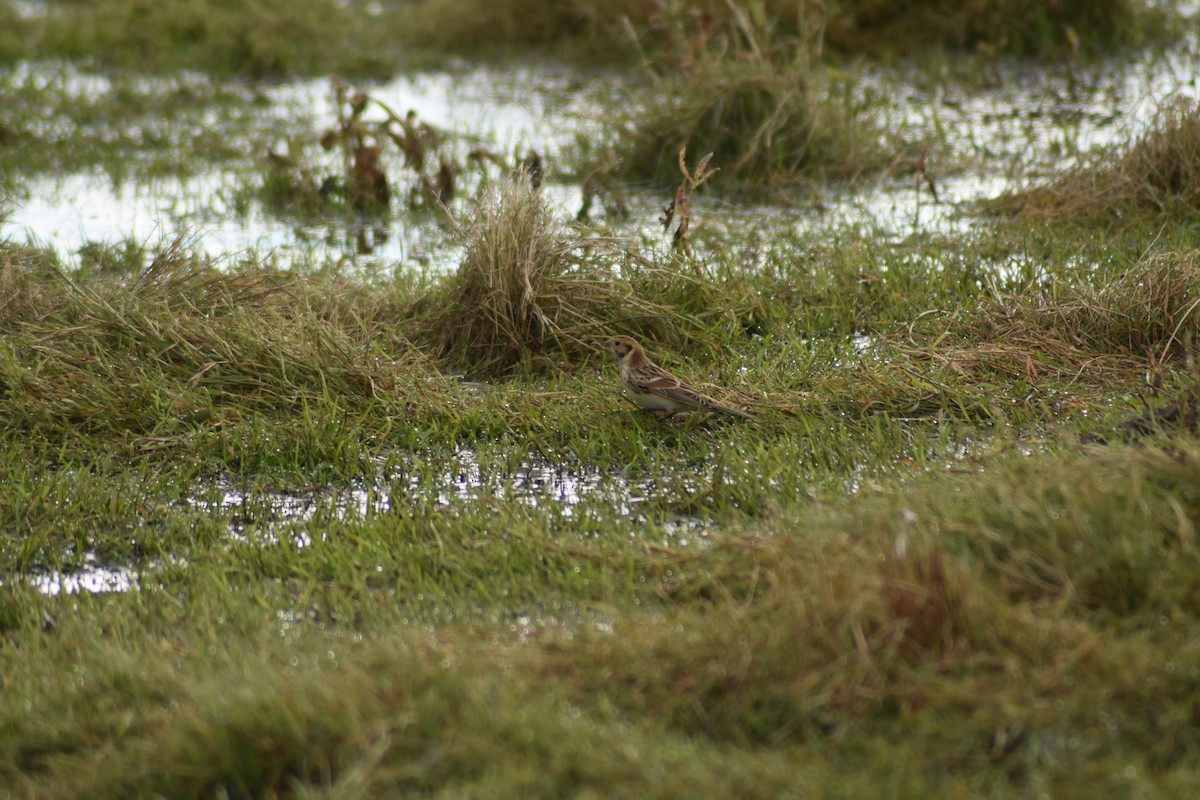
x=317 y=482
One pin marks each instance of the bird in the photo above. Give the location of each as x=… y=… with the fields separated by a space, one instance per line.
x=655 y=389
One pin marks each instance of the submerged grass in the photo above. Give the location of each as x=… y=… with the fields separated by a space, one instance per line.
x=60 y=119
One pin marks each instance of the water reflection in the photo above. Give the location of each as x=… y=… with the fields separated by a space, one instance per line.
x=91 y=577
x=269 y=517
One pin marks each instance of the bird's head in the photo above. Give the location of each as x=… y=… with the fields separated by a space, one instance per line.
x=620 y=346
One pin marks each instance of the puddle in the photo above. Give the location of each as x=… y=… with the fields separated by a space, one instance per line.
x=92 y=577
x=270 y=517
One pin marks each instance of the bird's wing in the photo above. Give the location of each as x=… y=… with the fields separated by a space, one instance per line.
x=667 y=385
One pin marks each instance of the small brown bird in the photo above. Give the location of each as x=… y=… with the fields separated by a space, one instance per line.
x=655 y=389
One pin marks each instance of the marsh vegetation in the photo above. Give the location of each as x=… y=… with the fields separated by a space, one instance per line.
x=372 y=518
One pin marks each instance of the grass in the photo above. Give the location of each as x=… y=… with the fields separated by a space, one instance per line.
x=1018 y=28
x=316 y=37
x=907 y=552
x=1018 y=638
x=765 y=124
x=401 y=534
x=530 y=294
x=269 y=39
x=852 y=27
x=181 y=349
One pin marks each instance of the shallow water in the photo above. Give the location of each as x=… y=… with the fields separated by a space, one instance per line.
x=92 y=577
x=268 y=516
x=1032 y=122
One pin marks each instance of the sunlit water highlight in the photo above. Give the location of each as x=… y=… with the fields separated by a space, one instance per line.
x=268 y=517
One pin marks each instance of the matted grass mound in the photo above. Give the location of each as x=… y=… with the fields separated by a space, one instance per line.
x=1154 y=177
x=182 y=344
x=1089 y=334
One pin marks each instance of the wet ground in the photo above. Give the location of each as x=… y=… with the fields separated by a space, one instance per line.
x=982 y=142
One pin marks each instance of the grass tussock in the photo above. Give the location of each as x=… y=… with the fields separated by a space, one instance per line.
x=1102 y=333
x=179 y=345
x=764 y=108
x=1155 y=178
x=531 y=294
x=763 y=123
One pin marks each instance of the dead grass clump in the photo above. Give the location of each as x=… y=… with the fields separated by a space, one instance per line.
x=1153 y=178
x=527 y=290
x=1076 y=332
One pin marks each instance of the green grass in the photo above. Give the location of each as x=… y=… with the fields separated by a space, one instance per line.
x=402 y=535
x=971 y=632
x=907 y=552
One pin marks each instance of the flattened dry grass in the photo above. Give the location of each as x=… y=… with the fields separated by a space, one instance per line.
x=1154 y=178
x=1089 y=334
x=181 y=345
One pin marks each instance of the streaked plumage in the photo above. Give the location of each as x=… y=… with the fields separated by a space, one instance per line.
x=655 y=389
